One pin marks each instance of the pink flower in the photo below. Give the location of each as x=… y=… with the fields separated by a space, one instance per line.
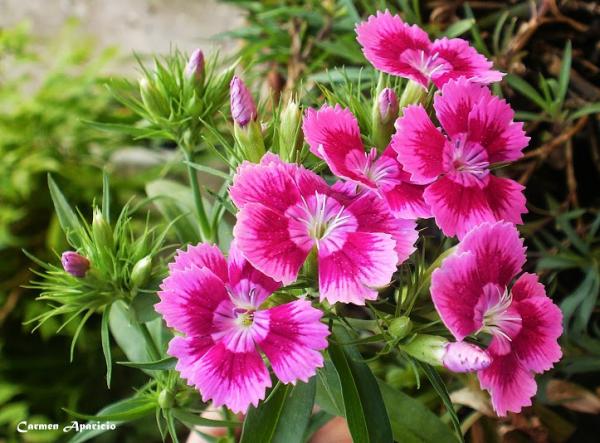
x=216 y=304
x=287 y=211
x=473 y=294
x=397 y=48
x=478 y=132
x=333 y=134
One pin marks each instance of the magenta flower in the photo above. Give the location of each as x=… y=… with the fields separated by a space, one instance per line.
x=75 y=264
x=243 y=108
x=478 y=132
x=216 y=304
x=473 y=294
x=397 y=48
x=333 y=134
x=287 y=211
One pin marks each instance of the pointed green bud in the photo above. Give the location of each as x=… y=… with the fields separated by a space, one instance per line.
x=400 y=327
x=101 y=230
x=426 y=348
x=290 y=133
x=141 y=272
x=413 y=93
x=385 y=112
x=250 y=141
x=152 y=99
x=166 y=399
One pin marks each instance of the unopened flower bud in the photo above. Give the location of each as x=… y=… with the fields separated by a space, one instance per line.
x=427 y=348
x=400 y=327
x=243 y=108
x=413 y=93
x=290 y=135
x=166 y=399
x=141 y=271
x=195 y=66
x=151 y=98
x=75 y=264
x=101 y=230
x=465 y=357
x=388 y=106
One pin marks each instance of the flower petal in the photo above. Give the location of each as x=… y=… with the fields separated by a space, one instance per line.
x=385 y=37
x=537 y=344
x=233 y=379
x=510 y=384
x=296 y=337
x=372 y=215
x=263 y=235
x=419 y=144
x=455 y=291
x=203 y=255
x=464 y=61
x=498 y=250
x=492 y=125
x=189 y=298
x=350 y=274
x=453 y=105
x=333 y=135
x=270 y=185
x=188 y=351
x=405 y=200
x=248 y=285
x=505 y=199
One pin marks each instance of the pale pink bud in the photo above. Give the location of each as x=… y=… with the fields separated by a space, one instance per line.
x=388 y=105
x=75 y=264
x=465 y=357
x=243 y=108
x=195 y=65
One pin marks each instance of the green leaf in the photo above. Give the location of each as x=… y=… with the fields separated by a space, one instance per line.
x=329 y=390
x=132 y=413
x=175 y=202
x=365 y=411
x=459 y=28
x=121 y=407
x=105 y=197
x=104 y=334
x=66 y=216
x=527 y=90
x=283 y=417
x=196 y=420
x=439 y=386
x=565 y=74
x=411 y=420
x=126 y=332
x=593 y=108
x=159 y=365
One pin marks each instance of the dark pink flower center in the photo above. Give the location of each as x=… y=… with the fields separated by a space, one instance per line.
x=466 y=162
x=497 y=315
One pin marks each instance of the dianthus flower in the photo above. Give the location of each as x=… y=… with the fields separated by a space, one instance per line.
x=287 y=212
x=333 y=135
x=397 y=48
x=478 y=132
x=474 y=293
x=216 y=304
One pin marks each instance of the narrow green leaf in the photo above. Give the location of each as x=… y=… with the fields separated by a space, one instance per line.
x=283 y=418
x=365 y=411
x=132 y=413
x=160 y=365
x=565 y=74
x=593 y=108
x=105 y=196
x=66 y=216
x=411 y=420
x=105 y=336
x=459 y=28
x=527 y=90
x=196 y=420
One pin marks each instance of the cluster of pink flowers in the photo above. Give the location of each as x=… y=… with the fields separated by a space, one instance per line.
x=357 y=231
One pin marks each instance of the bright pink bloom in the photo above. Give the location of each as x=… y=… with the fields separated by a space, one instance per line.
x=478 y=131
x=333 y=134
x=473 y=294
x=216 y=304
x=397 y=48
x=287 y=211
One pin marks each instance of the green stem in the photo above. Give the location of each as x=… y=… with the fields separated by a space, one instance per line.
x=205 y=228
x=152 y=349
